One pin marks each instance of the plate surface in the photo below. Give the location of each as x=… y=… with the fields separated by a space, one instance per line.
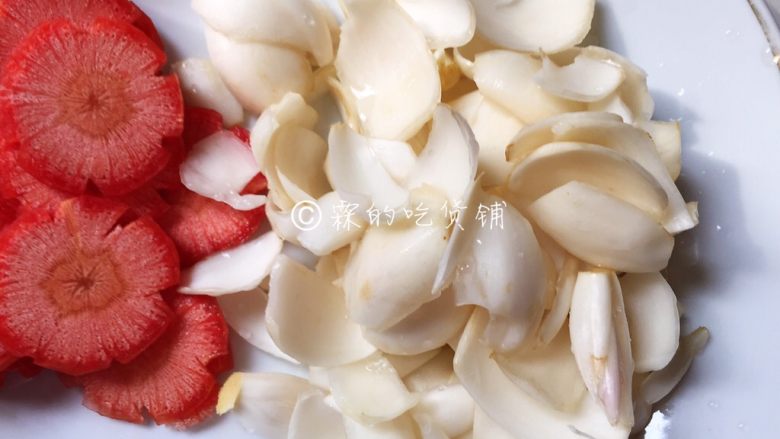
x=709 y=67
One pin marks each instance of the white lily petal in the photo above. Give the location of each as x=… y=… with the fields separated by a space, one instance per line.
x=659 y=384
x=653 y=320
x=406 y=364
x=445 y=23
x=259 y=75
x=533 y=25
x=353 y=167
x=202 y=86
x=633 y=92
x=584 y=80
x=602 y=230
x=449 y=72
x=468 y=435
x=494 y=128
x=500 y=268
x=298 y=157
x=240 y=268
x=291 y=110
x=370 y=391
x=465 y=55
x=219 y=167
x=555 y=318
x=312 y=417
x=434 y=374
x=541 y=133
x=450 y=407
x=460 y=240
x=428 y=428
x=507 y=78
x=548 y=373
x=387 y=70
x=668 y=141
x=245 y=313
x=398 y=158
x=601 y=343
x=264 y=402
x=613 y=104
x=282 y=223
x=400 y=428
x=391 y=273
x=299 y=24
x=306 y=317
x=337 y=226
x=449 y=160
x=430 y=327
x=502 y=400
x=632 y=142
x=556 y=164
x=486 y=428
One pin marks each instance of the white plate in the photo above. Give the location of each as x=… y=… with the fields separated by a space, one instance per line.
x=709 y=67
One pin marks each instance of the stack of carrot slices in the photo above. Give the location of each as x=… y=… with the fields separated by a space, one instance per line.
x=95 y=224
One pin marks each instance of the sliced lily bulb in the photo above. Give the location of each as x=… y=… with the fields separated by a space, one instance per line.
x=464 y=56
x=613 y=104
x=245 y=313
x=601 y=344
x=449 y=72
x=290 y=154
x=430 y=327
x=202 y=86
x=502 y=400
x=354 y=167
x=428 y=427
x=494 y=128
x=653 y=320
x=630 y=141
x=406 y=364
x=370 y=391
x=500 y=267
x=219 y=167
x=668 y=141
x=299 y=24
x=259 y=75
x=436 y=373
x=556 y=164
x=602 y=230
x=486 y=428
x=657 y=385
x=306 y=317
x=313 y=417
x=507 y=78
x=387 y=70
x=445 y=23
x=241 y=268
x=554 y=319
x=535 y=25
x=546 y=131
x=282 y=223
x=391 y=272
x=264 y=402
x=337 y=225
x=548 y=373
x=292 y=110
x=584 y=80
x=399 y=428
x=633 y=91
x=449 y=160
x=298 y=157
x=450 y=407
